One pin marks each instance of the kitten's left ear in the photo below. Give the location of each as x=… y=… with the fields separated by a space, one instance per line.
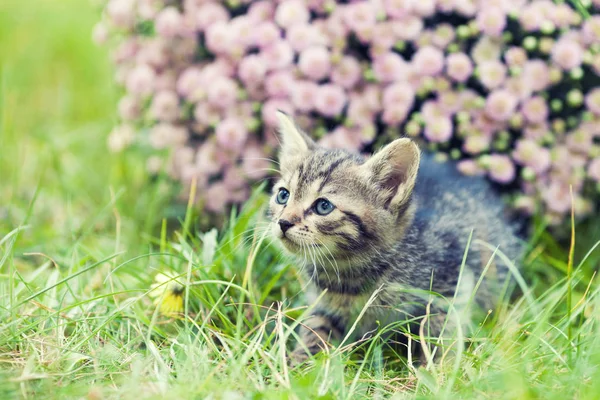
x=394 y=170
x=294 y=142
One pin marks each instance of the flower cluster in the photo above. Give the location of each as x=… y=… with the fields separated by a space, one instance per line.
x=511 y=88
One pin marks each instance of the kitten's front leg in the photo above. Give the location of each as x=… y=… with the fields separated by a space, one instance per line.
x=315 y=335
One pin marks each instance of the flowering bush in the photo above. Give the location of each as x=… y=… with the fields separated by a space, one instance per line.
x=509 y=87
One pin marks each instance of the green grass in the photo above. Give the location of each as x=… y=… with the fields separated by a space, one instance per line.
x=82 y=239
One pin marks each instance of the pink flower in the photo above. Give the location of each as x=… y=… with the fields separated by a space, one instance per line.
x=217 y=196
x=398 y=8
x=165 y=135
x=567 y=53
x=219 y=38
x=291 y=12
x=476 y=144
x=515 y=56
x=222 y=93
x=443 y=35
x=389 y=67
x=330 y=100
x=120 y=138
x=342 y=138
x=266 y=34
x=501 y=169
x=535 y=110
x=360 y=16
x=530 y=18
x=315 y=63
x=557 y=197
x=347 y=72
x=255 y=163
x=206 y=114
x=428 y=61
x=592 y=101
x=438 y=130
x=580 y=140
x=492 y=74
x=252 y=69
x=168 y=23
x=304 y=94
x=278 y=55
x=210 y=13
x=491 y=21
x=140 y=80
x=469 y=168
x=486 y=49
x=424 y=8
x=121 y=13
x=231 y=134
x=269 y=111
x=591 y=30
x=399 y=94
x=153 y=52
x=359 y=113
x=300 y=37
x=279 y=83
x=536 y=132
x=536 y=72
x=459 y=67
x=408 y=28
x=528 y=153
x=500 y=105
x=261 y=10
x=207 y=158
x=594 y=169
x=165 y=106
x=129 y=108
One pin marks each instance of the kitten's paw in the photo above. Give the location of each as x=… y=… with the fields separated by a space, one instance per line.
x=297 y=357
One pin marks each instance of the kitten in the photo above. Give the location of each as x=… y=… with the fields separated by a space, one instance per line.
x=392 y=223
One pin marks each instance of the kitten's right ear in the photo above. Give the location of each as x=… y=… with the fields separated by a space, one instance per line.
x=294 y=142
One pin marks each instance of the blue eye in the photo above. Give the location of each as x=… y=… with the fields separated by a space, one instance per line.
x=282 y=196
x=323 y=207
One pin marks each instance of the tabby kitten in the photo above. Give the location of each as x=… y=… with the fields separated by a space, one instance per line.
x=392 y=223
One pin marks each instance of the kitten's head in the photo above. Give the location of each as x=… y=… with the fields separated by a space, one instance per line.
x=334 y=203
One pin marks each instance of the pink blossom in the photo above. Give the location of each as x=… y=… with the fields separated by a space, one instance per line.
x=206 y=114
x=153 y=52
x=459 y=67
x=219 y=38
x=399 y=93
x=466 y=8
x=121 y=137
x=557 y=197
x=535 y=110
x=486 y=49
x=301 y=37
x=424 y=8
x=279 y=83
x=231 y=134
x=562 y=15
x=255 y=163
x=475 y=144
x=530 y=18
x=360 y=16
x=347 y=72
x=359 y=113
x=303 y=95
x=140 y=80
x=291 y=12
x=594 y=169
x=579 y=140
x=443 y=35
x=168 y=22
x=519 y=87
x=492 y=74
x=342 y=138
x=261 y=10
x=330 y=100
x=278 y=55
x=315 y=63
x=165 y=106
x=165 y=135
x=129 y=108
x=432 y=110
x=439 y=129
x=210 y=13
x=269 y=111
x=591 y=30
x=592 y=101
x=428 y=61
x=121 y=13
x=389 y=67
x=207 y=158
x=528 y=153
x=126 y=50
x=515 y=56
x=536 y=72
x=469 y=167
x=491 y=21
x=398 y=8
x=500 y=105
x=222 y=93
x=216 y=197
x=568 y=54
x=408 y=28
x=266 y=34
x=500 y=168
x=252 y=69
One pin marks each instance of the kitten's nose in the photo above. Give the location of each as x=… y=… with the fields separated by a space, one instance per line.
x=285 y=225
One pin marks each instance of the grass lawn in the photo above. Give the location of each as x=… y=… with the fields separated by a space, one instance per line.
x=84 y=250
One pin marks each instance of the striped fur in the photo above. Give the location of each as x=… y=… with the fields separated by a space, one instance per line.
x=401 y=224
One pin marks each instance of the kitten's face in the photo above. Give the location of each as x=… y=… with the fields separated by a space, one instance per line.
x=334 y=204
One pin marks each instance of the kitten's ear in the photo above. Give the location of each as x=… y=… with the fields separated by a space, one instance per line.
x=294 y=142
x=394 y=170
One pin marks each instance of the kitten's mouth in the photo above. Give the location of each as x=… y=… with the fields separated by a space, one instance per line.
x=294 y=246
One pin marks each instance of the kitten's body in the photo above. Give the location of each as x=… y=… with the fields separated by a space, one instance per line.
x=387 y=232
